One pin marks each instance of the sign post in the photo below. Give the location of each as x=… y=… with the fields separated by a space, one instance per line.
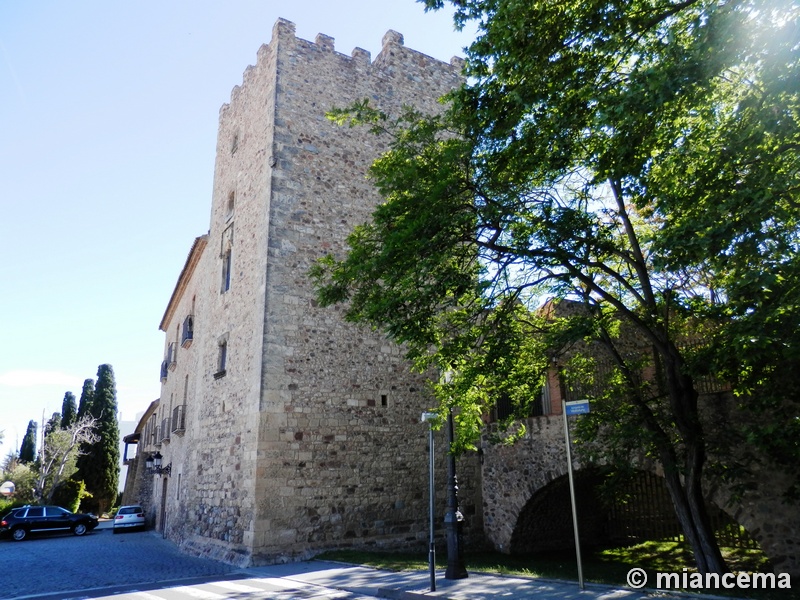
x=576 y=407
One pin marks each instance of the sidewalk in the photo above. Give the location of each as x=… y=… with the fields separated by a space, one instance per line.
x=415 y=585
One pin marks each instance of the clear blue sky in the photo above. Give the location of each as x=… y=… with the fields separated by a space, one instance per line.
x=108 y=122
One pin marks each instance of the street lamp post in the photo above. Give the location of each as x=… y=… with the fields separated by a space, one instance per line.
x=453 y=519
x=430 y=418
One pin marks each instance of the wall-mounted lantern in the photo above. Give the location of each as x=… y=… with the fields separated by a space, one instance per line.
x=153 y=464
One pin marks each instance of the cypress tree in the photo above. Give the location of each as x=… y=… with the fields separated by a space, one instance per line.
x=69 y=410
x=52 y=424
x=27 y=452
x=87 y=394
x=99 y=467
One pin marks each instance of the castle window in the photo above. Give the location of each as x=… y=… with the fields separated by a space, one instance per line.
x=226 y=271
x=222 y=358
x=234 y=144
x=230 y=206
x=187 y=334
x=226 y=255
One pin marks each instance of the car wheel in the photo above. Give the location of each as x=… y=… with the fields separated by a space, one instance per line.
x=19 y=534
x=79 y=529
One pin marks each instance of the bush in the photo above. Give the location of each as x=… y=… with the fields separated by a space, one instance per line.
x=6 y=504
x=69 y=494
x=23 y=478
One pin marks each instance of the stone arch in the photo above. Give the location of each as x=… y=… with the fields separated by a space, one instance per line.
x=545 y=523
x=512 y=474
x=605 y=520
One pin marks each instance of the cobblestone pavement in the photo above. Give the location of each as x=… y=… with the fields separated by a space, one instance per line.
x=63 y=563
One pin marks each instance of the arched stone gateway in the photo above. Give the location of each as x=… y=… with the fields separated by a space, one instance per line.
x=634 y=511
x=520 y=507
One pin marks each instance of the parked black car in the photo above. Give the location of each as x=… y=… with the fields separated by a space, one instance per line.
x=39 y=519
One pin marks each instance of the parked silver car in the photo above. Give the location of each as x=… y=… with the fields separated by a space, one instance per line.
x=129 y=517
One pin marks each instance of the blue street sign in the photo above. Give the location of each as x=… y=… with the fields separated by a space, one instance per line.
x=577 y=407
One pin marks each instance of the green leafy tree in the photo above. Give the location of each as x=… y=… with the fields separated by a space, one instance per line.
x=87 y=395
x=23 y=476
x=638 y=159
x=10 y=461
x=69 y=410
x=53 y=423
x=98 y=466
x=58 y=455
x=27 y=451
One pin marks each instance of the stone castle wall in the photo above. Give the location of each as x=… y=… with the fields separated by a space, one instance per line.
x=310 y=438
x=341 y=448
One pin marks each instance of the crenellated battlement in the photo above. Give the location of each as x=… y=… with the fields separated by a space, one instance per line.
x=393 y=52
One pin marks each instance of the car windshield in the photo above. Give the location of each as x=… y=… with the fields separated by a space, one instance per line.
x=129 y=510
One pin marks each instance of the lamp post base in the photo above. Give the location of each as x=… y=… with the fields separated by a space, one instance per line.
x=455 y=559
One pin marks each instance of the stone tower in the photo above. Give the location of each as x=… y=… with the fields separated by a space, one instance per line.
x=287 y=430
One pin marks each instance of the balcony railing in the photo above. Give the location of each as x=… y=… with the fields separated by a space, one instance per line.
x=187 y=334
x=172 y=356
x=165 y=429
x=179 y=420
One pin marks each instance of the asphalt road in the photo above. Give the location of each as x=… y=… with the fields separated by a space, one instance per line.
x=65 y=563
x=144 y=566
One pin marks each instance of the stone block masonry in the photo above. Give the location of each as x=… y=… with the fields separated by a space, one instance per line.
x=302 y=431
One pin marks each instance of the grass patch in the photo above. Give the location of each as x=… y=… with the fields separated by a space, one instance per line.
x=604 y=566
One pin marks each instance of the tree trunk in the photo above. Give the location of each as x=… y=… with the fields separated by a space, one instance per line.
x=685 y=485
x=690 y=509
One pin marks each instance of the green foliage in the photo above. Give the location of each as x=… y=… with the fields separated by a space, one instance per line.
x=98 y=466
x=23 y=476
x=53 y=423
x=69 y=410
x=10 y=461
x=636 y=160
x=87 y=395
x=70 y=494
x=58 y=456
x=27 y=451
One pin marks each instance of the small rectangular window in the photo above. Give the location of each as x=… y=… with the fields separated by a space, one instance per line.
x=226 y=271
x=222 y=359
x=226 y=251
